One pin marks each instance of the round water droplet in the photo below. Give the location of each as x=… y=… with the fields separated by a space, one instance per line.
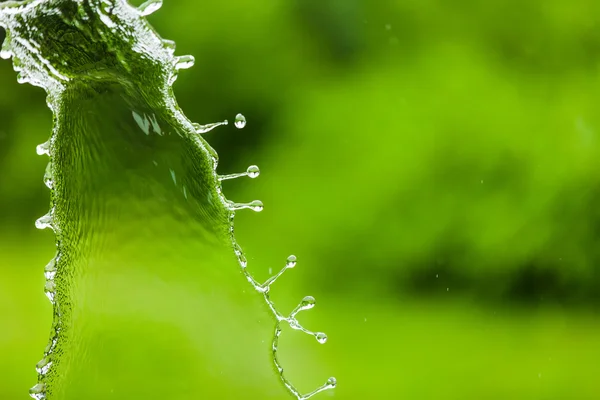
x=332 y=382
x=307 y=303
x=253 y=171
x=256 y=205
x=240 y=121
x=321 y=337
x=291 y=262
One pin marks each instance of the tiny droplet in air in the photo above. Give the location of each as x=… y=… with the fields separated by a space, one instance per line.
x=253 y=171
x=240 y=121
x=321 y=337
x=256 y=205
x=308 y=302
x=291 y=262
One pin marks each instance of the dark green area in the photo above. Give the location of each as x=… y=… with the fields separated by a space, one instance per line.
x=434 y=165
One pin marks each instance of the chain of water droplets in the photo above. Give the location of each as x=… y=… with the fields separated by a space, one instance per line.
x=307 y=302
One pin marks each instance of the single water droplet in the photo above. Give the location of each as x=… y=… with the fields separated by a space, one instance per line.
x=43 y=149
x=253 y=171
x=291 y=262
x=184 y=62
x=149 y=7
x=256 y=205
x=321 y=337
x=240 y=121
x=331 y=382
x=307 y=303
x=44 y=222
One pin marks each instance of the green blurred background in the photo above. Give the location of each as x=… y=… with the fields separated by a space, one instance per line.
x=433 y=164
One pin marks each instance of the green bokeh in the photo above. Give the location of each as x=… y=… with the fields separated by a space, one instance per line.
x=434 y=166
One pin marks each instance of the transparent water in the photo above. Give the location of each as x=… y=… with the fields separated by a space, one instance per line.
x=137 y=208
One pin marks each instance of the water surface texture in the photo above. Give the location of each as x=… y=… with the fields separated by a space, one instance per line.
x=147 y=271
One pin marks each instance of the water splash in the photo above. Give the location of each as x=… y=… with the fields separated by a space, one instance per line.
x=106 y=49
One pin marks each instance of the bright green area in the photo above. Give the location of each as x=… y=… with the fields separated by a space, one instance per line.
x=397 y=141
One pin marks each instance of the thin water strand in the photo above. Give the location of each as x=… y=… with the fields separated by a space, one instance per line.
x=252 y=172
x=255 y=205
x=200 y=129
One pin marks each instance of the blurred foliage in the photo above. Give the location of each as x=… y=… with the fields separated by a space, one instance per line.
x=432 y=163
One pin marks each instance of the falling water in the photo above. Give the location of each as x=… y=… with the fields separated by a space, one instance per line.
x=108 y=78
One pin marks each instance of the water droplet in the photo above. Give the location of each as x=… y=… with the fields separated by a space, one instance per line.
x=43 y=149
x=321 y=337
x=5 y=54
x=291 y=262
x=44 y=222
x=149 y=7
x=240 y=121
x=331 y=382
x=50 y=269
x=307 y=303
x=43 y=365
x=48 y=178
x=37 y=392
x=253 y=171
x=184 y=62
x=256 y=205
